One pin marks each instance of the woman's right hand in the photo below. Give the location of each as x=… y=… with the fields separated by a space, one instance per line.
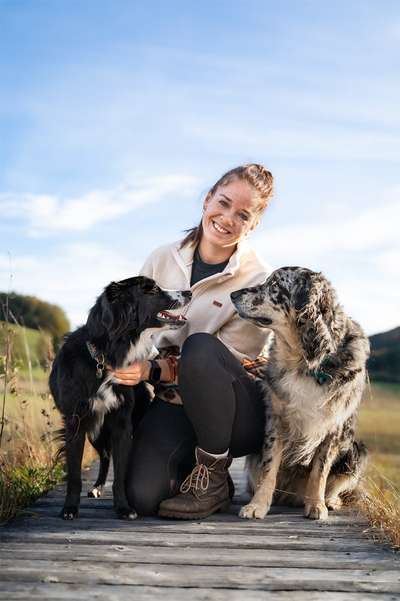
x=133 y=374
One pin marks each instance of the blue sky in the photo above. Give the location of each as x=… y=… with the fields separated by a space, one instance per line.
x=117 y=116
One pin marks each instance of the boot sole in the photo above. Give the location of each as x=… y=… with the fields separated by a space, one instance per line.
x=164 y=513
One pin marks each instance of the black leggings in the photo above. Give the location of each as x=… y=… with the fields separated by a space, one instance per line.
x=222 y=408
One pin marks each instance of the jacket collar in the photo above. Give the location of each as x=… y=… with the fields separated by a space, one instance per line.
x=185 y=255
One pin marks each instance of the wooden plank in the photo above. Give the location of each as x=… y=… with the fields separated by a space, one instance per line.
x=216 y=541
x=53 y=591
x=270 y=519
x=52 y=506
x=295 y=558
x=238 y=528
x=115 y=593
x=203 y=576
x=188 y=556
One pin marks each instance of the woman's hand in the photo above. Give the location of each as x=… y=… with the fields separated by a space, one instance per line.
x=133 y=374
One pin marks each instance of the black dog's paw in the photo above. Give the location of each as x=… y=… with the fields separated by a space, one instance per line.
x=126 y=513
x=95 y=492
x=69 y=512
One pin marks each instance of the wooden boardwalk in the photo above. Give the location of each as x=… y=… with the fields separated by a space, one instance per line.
x=283 y=557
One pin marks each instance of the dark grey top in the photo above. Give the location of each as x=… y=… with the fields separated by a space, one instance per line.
x=201 y=270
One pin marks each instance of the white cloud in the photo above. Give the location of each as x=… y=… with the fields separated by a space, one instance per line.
x=375 y=228
x=388 y=262
x=327 y=142
x=359 y=253
x=46 y=214
x=72 y=276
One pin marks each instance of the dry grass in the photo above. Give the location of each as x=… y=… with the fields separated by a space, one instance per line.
x=381 y=505
x=26 y=455
x=27 y=465
x=28 y=421
x=379 y=427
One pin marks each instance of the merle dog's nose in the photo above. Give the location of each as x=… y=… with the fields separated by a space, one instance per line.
x=237 y=293
x=187 y=294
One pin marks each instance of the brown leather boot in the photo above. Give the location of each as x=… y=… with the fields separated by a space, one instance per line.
x=203 y=492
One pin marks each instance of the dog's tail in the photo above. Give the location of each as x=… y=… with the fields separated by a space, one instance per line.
x=347 y=472
x=59 y=437
x=354 y=461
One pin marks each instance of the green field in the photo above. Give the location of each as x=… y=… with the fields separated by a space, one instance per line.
x=379 y=428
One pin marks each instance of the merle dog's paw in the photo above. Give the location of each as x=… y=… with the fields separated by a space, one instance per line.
x=69 y=512
x=126 y=513
x=316 y=511
x=253 y=510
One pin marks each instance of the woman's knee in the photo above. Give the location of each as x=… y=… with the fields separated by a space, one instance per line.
x=197 y=350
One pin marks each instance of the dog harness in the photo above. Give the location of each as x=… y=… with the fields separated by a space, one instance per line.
x=320 y=375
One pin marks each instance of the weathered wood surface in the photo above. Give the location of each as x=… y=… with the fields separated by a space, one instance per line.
x=283 y=557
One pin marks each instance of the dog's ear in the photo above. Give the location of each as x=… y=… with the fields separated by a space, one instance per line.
x=315 y=304
x=110 y=318
x=117 y=316
x=301 y=293
x=114 y=291
x=95 y=321
x=108 y=307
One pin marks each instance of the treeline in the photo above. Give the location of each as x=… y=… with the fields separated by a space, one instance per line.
x=31 y=312
x=384 y=363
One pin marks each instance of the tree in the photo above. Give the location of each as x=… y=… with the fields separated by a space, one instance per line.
x=34 y=313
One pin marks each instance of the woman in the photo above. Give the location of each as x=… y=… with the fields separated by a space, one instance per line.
x=185 y=443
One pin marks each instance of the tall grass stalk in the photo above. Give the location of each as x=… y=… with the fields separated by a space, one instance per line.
x=6 y=368
x=381 y=506
x=27 y=351
x=27 y=467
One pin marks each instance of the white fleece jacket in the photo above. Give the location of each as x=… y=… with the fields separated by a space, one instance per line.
x=210 y=309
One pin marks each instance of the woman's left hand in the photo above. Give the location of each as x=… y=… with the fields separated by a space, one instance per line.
x=133 y=374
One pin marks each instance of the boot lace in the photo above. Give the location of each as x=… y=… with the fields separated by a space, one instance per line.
x=198 y=479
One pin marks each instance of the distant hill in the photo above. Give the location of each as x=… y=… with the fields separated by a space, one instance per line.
x=32 y=312
x=384 y=363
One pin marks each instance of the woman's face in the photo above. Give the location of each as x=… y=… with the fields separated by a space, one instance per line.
x=230 y=213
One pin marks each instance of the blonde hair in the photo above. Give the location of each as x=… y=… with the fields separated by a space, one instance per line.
x=255 y=175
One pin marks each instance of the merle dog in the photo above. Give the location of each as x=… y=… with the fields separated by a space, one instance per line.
x=118 y=332
x=313 y=384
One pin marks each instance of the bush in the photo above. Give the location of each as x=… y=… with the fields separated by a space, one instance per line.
x=34 y=313
x=20 y=485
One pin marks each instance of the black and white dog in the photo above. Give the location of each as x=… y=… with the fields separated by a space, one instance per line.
x=118 y=332
x=313 y=385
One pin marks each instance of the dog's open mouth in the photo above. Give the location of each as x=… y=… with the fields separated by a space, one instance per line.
x=166 y=318
x=262 y=322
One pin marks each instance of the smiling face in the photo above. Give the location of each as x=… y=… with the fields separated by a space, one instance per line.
x=229 y=214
